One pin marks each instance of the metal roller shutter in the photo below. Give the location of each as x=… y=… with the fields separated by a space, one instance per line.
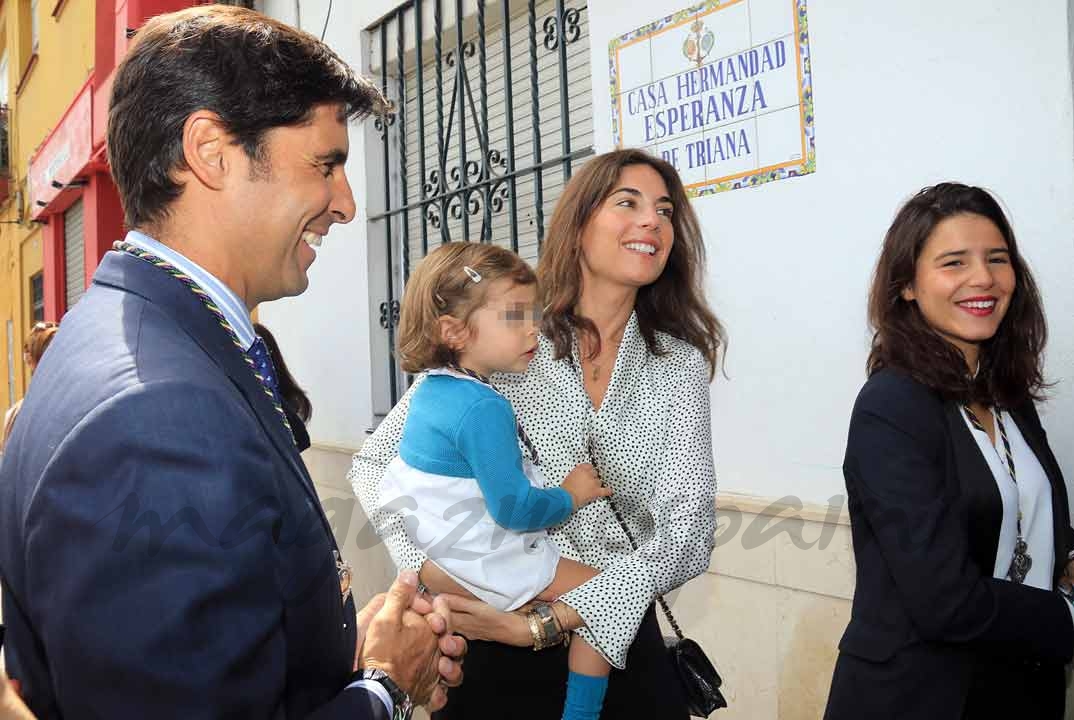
x=74 y=250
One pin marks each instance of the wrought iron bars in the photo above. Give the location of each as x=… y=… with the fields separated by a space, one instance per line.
x=485 y=184
x=535 y=95
x=390 y=314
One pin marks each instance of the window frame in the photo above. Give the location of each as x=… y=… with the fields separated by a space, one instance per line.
x=35 y=26
x=37 y=302
x=5 y=83
x=461 y=175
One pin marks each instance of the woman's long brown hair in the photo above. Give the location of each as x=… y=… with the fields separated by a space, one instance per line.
x=673 y=304
x=1010 y=370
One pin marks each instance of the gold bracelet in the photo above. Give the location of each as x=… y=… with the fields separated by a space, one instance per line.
x=535 y=630
x=551 y=632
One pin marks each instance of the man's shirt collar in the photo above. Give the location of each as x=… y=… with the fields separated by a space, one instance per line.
x=229 y=303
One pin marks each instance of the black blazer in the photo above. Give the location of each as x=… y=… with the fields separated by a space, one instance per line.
x=162 y=549
x=925 y=517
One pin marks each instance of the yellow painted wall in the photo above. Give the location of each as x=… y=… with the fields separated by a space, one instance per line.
x=64 y=61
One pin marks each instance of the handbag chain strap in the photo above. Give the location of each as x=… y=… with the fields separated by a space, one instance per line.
x=634 y=545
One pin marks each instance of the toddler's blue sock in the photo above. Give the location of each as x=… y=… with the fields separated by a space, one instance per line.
x=585 y=696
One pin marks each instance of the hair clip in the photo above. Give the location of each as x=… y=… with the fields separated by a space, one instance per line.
x=474 y=274
x=439 y=300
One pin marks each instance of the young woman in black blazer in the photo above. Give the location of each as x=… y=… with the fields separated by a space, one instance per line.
x=958 y=509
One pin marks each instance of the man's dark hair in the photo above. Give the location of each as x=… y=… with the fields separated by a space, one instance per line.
x=254 y=72
x=1010 y=371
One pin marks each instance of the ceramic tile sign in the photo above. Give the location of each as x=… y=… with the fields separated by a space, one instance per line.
x=722 y=90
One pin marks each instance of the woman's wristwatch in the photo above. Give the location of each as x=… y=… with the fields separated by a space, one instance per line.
x=404 y=708
x=545 y=627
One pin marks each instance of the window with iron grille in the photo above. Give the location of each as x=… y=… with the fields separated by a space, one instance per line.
x=492 y=111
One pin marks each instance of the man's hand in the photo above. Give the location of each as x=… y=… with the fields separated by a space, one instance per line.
x=409 y=638
x=452 y=650
x=402 y=643
x=11 y=707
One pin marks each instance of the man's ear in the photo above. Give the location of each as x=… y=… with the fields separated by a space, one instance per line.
x=207 y=148
x=453 y=332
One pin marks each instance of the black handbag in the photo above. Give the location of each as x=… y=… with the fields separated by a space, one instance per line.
x=700 y=681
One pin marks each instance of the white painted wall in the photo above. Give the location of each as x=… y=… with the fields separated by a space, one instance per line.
x=906 y=95
x=324 y=333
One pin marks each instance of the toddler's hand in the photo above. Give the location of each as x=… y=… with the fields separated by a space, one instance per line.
x=584 y=485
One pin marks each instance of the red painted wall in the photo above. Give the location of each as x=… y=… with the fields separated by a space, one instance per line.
x=103 y=213
x=103 y=219
x=55 y=275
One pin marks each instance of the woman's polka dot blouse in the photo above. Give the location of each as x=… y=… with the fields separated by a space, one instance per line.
x=652 y=444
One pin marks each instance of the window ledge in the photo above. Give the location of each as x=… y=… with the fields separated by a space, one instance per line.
x=26 y=74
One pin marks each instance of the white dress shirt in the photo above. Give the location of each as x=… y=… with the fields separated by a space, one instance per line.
x=1032 y=493
x=652 y=443
x=235 y=311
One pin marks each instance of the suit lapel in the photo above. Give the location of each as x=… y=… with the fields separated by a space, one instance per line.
x=978 y=489
x=126 y=272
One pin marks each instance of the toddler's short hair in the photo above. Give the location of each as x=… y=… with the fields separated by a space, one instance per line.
x=440 y=285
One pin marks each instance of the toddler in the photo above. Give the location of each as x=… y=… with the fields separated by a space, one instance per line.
x=470 y=310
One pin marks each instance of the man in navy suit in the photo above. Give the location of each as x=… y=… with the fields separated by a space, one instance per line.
x=162 y=549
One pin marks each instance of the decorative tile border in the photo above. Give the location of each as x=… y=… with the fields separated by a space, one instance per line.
x=805 y=165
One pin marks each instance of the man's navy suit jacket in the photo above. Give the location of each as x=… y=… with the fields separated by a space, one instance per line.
x=162 y=549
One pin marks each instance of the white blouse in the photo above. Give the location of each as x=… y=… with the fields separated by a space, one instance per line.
x=1033 y=493
x=652 y=445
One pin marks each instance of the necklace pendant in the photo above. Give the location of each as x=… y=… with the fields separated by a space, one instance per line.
x=1020 y=563
x=596 y=371
x=344 y=570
